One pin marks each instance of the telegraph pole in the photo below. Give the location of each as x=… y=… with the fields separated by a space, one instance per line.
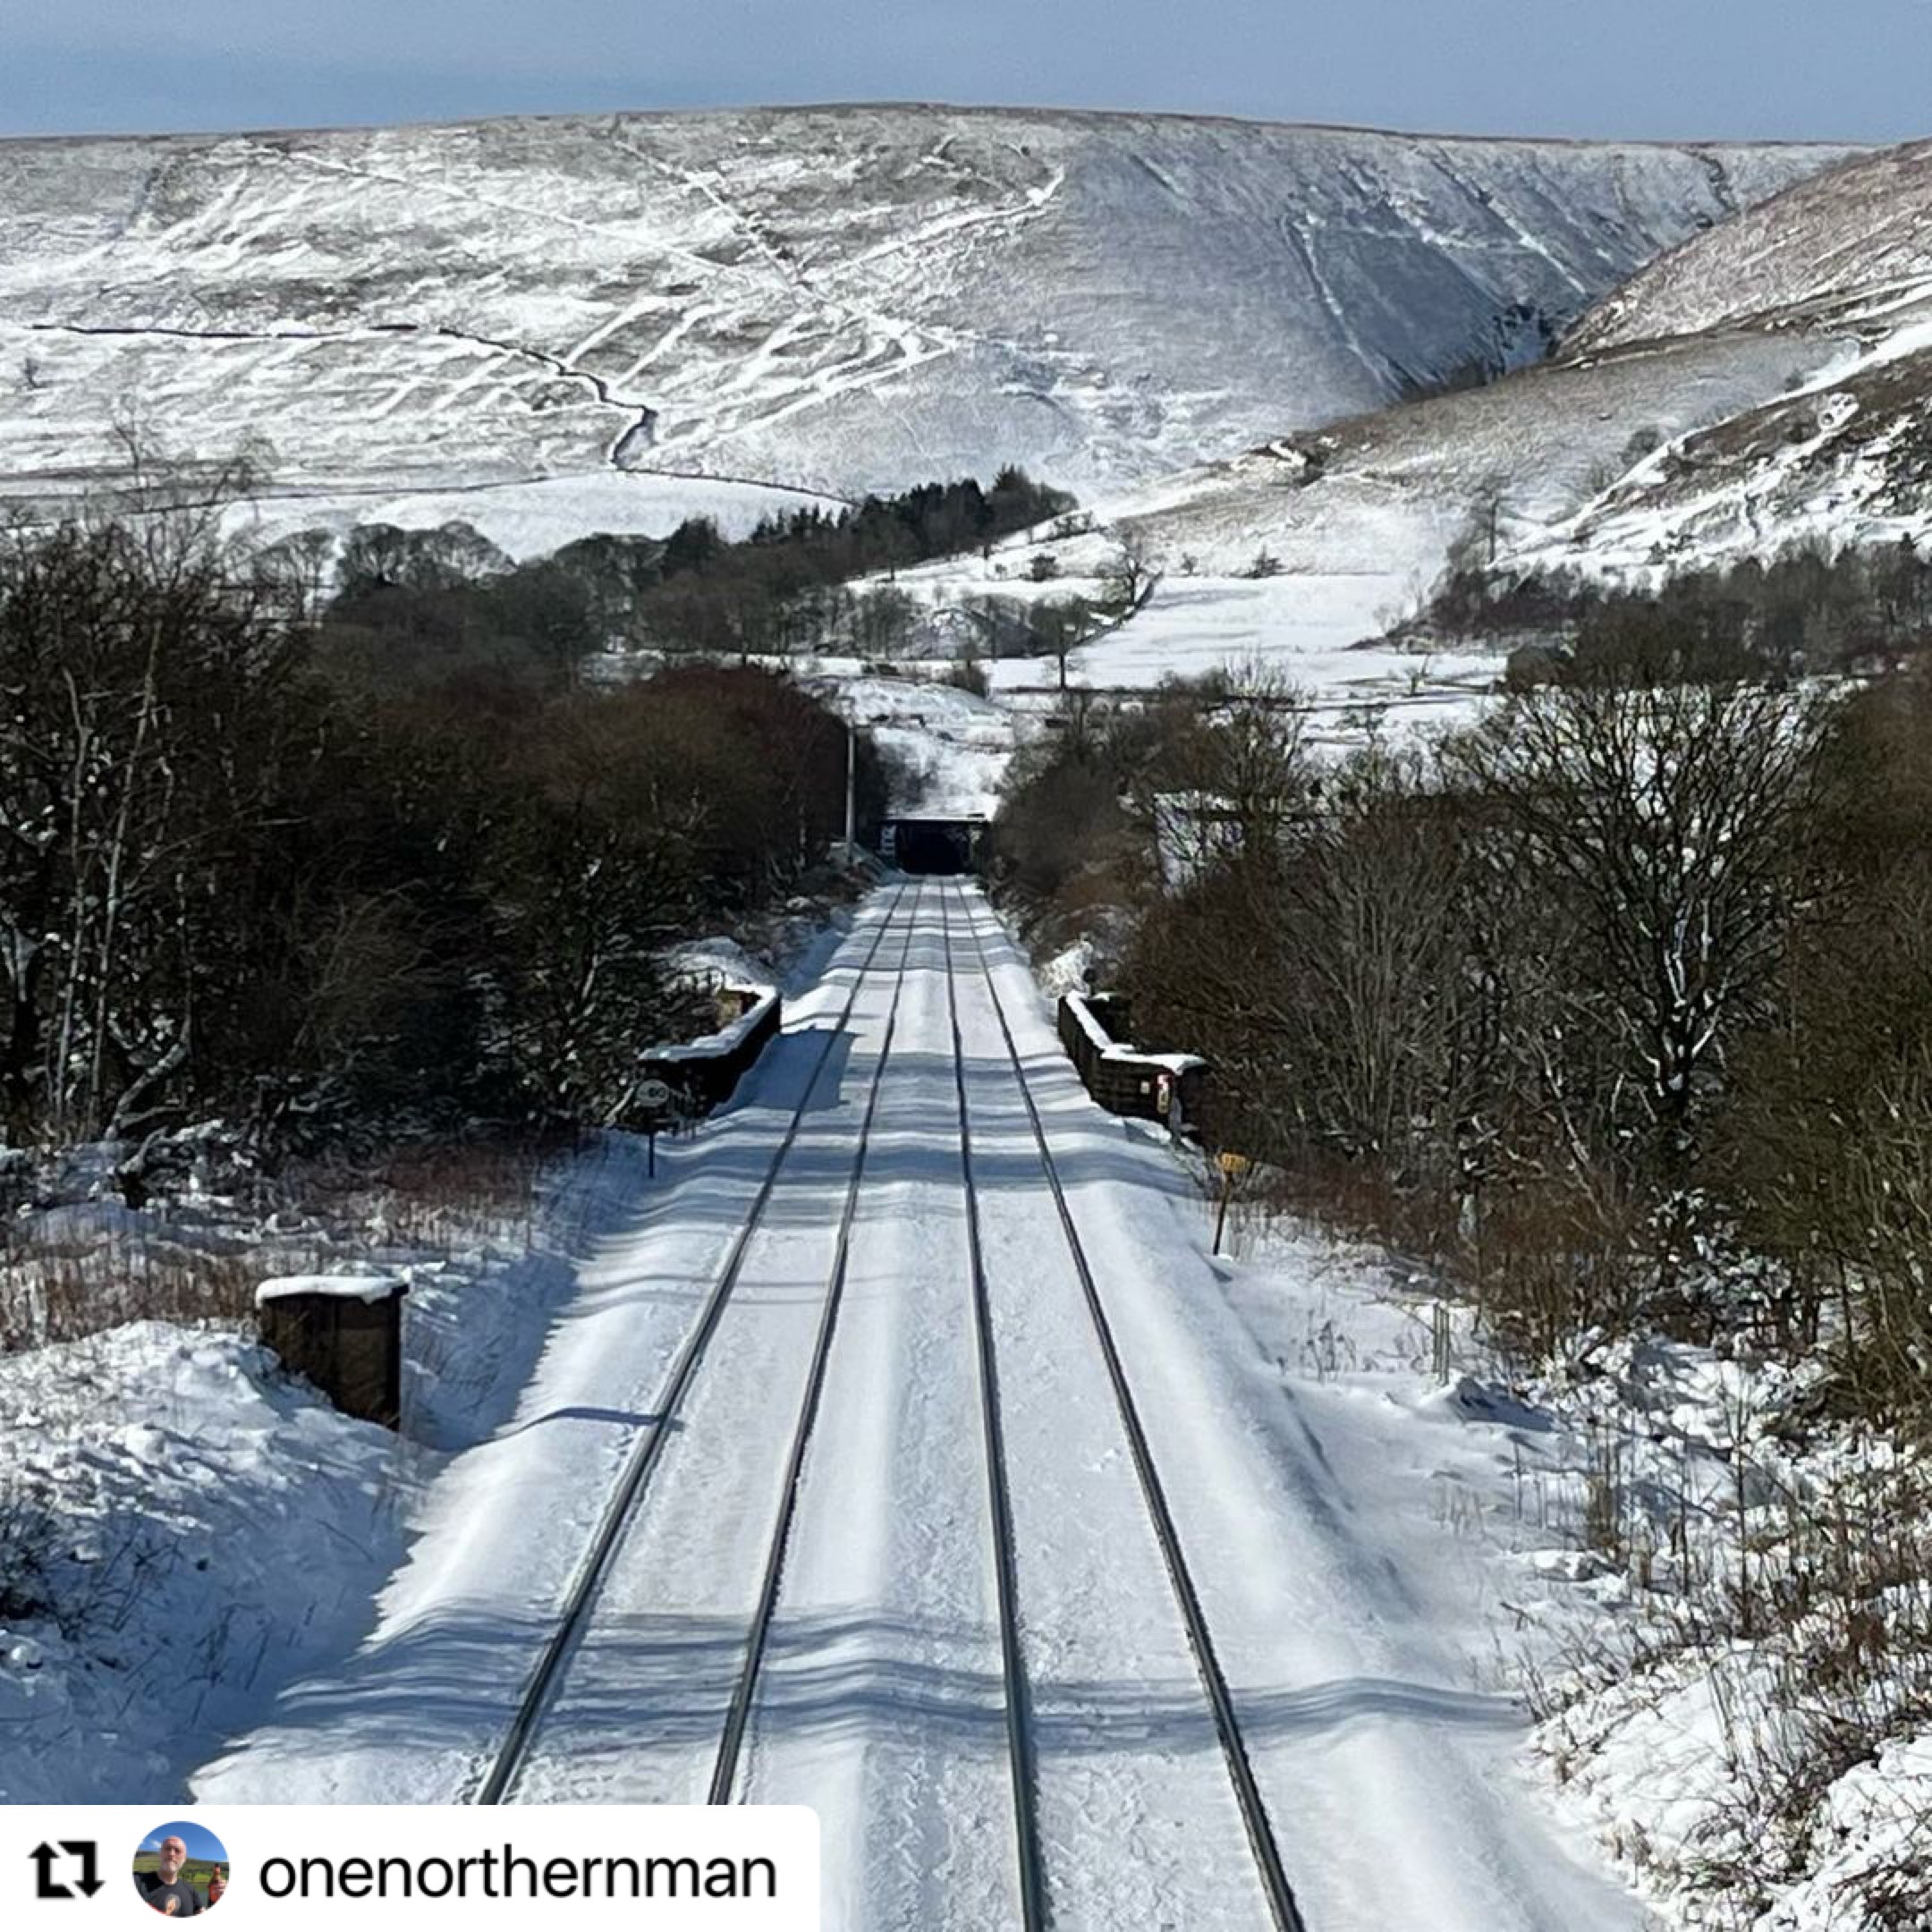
x=851 y=771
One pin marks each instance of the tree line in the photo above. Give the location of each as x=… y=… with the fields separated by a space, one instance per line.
x=322 y=861
x=408 y=598
x=1616 y=1006
x=783 y=588
x=1807 y=609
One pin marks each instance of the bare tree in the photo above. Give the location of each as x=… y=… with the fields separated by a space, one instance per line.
x=1672 y=821
x=1062 y=626
x=882 y=622
x=144 y=677
x=1130 y=575
x=1231 y=771
x=1488 y=511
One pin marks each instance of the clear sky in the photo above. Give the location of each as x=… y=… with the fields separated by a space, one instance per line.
x=1633 y=69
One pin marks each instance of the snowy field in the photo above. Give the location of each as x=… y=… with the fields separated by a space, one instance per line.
x=951 y=746
x=1316 y=633
x=1320 y=632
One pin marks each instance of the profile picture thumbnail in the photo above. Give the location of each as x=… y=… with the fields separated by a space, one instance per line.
x=180 y=1869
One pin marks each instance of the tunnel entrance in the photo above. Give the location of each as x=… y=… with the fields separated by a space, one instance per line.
x=946 y=846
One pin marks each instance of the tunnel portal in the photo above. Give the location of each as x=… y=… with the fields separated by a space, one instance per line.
x=946 y=846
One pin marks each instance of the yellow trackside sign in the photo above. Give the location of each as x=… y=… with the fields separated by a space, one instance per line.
x=1233 y=1165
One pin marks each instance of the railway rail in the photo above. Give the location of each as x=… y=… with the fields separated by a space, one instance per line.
x=1031 y=1864
x=1035 y=1913
x=1259 y=1827
x=581 y=1595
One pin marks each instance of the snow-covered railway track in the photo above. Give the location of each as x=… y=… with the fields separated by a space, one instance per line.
x=957 y=1119
x=891 y=1542
x=499 y=1784
x=731 y=1745
x=1262 y=1841
x=1029 y=1877
x=1020 y=1743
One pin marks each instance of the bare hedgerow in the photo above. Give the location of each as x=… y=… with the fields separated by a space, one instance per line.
x=61 y=1290
x=418 y=1200
x=1551 y=1259
x=1816 y=1654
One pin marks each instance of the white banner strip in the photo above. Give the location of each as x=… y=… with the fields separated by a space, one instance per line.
x=675 y=1868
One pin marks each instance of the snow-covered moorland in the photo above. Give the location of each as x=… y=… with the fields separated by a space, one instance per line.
x=1762 y=383
x=831 y=299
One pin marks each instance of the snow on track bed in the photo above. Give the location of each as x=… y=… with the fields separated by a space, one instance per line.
x=671 y=1587
x=1131 y=1754
x=883 y=1702
x=895 y=1693
x=421 y=1711
x=1368 y=1743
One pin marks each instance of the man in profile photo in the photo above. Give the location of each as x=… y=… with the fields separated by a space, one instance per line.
x=163 y=1887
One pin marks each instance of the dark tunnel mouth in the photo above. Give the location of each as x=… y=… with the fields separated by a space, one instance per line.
x=941 y=846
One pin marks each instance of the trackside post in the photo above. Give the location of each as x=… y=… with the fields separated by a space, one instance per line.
x=1232 y=1168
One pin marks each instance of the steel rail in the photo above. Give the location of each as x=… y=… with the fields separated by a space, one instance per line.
x=1035 y=1907
x=738 y=1719
x=649 y=1447
x=1261 y=1838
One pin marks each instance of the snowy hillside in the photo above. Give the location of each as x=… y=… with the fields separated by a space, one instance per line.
x=1348 y=526
x=833 y=299
x=1764 y=382
x=1842 y=264
x=1823 y=249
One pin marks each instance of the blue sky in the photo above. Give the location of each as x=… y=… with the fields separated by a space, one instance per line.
x=201 y=1844
x=1635 y=69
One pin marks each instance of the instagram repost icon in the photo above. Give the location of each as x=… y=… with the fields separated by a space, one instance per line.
x=180 y=1869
